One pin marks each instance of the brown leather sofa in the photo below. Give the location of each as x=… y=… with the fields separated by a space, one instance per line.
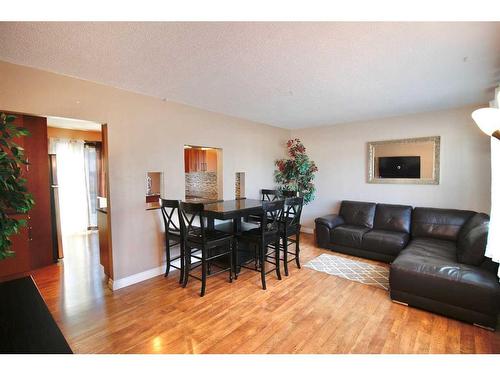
x=436 y=255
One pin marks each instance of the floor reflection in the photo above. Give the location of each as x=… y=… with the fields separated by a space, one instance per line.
x=84 y=278
x=81 y=281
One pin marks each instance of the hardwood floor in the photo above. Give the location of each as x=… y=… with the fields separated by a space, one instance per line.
x=306 y=312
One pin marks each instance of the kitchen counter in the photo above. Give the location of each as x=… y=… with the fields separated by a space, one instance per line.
x=156 y=205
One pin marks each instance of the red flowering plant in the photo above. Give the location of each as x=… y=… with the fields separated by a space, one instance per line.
x=297 y=172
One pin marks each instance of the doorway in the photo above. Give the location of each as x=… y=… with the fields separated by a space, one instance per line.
x=77 y=187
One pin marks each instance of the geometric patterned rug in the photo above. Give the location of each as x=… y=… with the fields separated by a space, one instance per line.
x=354 y=270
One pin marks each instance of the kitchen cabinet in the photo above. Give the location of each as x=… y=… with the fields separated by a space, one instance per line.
x=33 y=246
x=21 y=261
x=200 y=160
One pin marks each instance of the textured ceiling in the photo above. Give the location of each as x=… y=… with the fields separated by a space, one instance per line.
x=285 y=74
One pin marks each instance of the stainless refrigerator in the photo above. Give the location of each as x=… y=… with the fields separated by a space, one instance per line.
x=55 y=216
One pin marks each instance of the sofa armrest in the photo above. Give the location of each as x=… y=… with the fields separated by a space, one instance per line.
x=330 y=221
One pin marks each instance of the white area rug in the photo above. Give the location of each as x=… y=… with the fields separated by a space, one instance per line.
x=350 y=269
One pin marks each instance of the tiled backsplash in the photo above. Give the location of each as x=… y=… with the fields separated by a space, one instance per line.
x=239 y=187
x=202 y=185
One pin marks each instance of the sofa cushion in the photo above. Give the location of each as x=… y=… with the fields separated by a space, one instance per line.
x=428 y=268
x=472 y=238
x=393 y=217
x=358 y=213
x=384 y=241
x=438 y=223
x=429 y=247
x=348 y=235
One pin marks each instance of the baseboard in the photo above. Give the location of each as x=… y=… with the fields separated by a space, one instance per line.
x=153 y=272
x=136 y=278
x=141 y=276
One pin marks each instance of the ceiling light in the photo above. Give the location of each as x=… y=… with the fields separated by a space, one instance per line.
x=488 y=120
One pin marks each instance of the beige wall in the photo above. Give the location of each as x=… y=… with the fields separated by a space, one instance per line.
x=145 y=134
x=340 y=151
x=84 y=135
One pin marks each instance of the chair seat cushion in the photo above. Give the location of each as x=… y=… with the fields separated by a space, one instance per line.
x=228 y=226
x=211 y=236
x=254 y=218
x=254 y=235
x=385 y=241
x=348 y=235
x=429 y=268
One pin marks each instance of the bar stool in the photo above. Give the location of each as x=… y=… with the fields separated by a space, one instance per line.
x=290 y=230
x=267 y=195
x=207 y=246
x=262 y=237
x=173 y=234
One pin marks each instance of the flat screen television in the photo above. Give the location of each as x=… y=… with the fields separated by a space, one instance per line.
x=399 y=167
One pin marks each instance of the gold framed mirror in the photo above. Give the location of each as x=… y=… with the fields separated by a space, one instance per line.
x=404 y=161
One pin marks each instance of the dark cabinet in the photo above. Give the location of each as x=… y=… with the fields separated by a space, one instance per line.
x=21 y=261
x=33 y=246
x=37 y=151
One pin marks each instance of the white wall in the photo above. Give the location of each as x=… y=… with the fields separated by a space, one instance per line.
x=340 y=152
x=145 y=134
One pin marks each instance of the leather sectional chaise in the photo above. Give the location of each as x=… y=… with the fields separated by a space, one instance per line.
x=436 y=255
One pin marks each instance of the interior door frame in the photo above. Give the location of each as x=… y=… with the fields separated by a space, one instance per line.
x=105 y=156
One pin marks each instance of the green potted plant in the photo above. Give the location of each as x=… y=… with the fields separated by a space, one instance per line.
x=14 y=197
x=297 y=172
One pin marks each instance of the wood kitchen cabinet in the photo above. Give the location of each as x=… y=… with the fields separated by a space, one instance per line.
x=21 y=261
x=200 y=160
x=33 y=245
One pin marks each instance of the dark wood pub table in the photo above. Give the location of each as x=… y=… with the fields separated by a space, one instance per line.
x=233 y=210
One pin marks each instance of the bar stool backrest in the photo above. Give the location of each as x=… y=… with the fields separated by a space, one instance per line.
x=269 y=195
x=170 y=211
x=293 y=211
x=272 y=214
x=191 y=215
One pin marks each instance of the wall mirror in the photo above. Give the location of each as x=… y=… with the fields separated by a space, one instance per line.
x=404 y=161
